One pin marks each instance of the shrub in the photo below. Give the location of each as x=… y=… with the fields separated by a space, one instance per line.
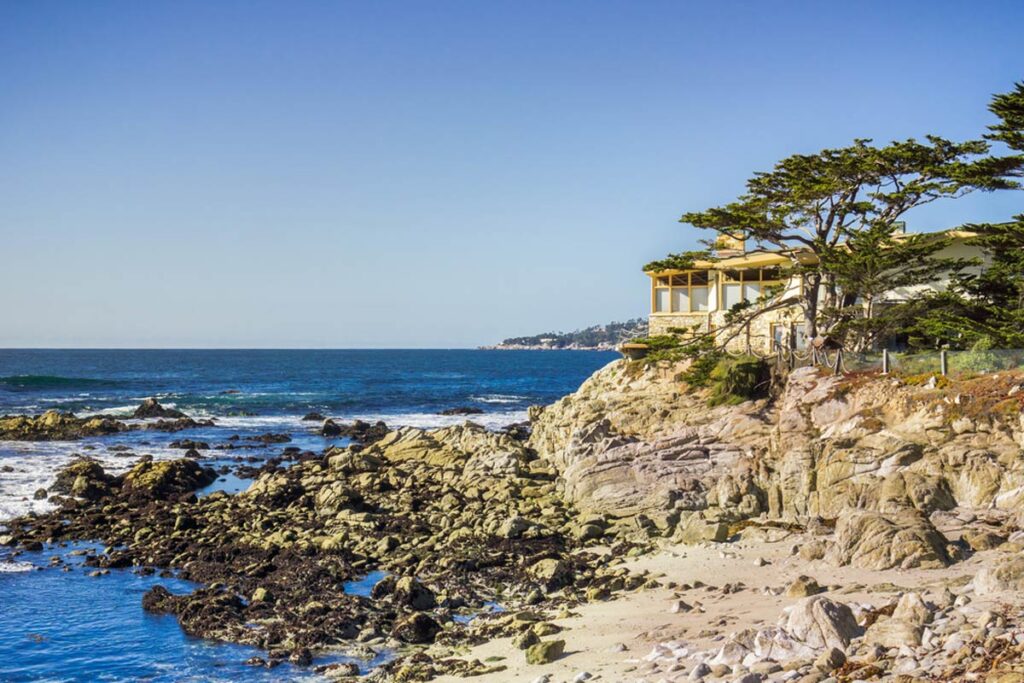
x=735 y=380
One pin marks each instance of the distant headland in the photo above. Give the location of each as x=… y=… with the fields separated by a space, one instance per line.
x=597 y=337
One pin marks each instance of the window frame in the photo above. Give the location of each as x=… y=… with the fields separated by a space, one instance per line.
x=669 y=284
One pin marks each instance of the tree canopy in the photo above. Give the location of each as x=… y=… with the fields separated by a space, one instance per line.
x=835 y=214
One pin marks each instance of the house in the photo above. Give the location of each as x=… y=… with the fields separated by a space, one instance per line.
x=697 y=299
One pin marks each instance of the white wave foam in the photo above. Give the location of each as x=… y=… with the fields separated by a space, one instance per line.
x=498 y=398
x=35 y=464
x=430 y=420
x=14 y=567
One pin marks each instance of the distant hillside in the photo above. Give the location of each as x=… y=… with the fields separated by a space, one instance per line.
x=597 y=337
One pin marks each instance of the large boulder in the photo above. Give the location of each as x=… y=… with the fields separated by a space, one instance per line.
x=1006 y=575
x=820 y=623
x=79 y=475
x=886 y=541
x=152 y=479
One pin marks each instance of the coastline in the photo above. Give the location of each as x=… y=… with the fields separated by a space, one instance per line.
x=634 y=533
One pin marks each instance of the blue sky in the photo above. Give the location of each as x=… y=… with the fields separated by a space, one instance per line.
x=428 y=174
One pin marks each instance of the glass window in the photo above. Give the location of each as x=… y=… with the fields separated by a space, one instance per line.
x=732 y=275
x=799 y=339
x=680 y=300
x=699 y=278
x=662 y=281
x=778 y=336
x=770 y=274
x=661 y=300
x=699 y=298
x=679 y=281
x=731 y=296
x=751 y=291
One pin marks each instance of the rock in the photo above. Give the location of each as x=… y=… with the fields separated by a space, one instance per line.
x=812 y=550
x=886 y=541
x=983 y=539
x=680 y=607
x=513 y=527
x=167 y=477
x=893 y=633
x=525 y=640
x=830 y=660
x=1005 y=575
x=699 y=672
x=462 y=410
x=694 y=530
x=545 y=652
x=802 y=587
x=410 y=592
x=416 y=629
x=152 y=408
x=40 y=494
x=552 y=574
x=330 y=428
x=313 y=417
x=384 y=587
x=912 y=609
x=56 y=426
x=820 y=623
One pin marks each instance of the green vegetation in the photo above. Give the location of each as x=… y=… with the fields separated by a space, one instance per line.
x=735 y=380
x=682 y=261
x=730 y=380
x=838 y=215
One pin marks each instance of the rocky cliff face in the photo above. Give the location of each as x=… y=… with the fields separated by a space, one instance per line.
x=637 y=442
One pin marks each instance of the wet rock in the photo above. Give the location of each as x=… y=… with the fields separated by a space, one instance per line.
x=462 y=410
x=152 y=408
x=416 y=629
x=313 y=417
x=167 y=477
x=410 y=592
x=40 y=494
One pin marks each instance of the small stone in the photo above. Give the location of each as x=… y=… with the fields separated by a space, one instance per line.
x=680 y=606
x=803 y=587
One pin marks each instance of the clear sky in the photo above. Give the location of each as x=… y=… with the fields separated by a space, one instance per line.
x=423 y=174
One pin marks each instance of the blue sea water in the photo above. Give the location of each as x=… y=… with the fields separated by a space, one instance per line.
x=60 y=625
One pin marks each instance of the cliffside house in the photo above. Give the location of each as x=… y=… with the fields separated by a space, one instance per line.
x=698 y=299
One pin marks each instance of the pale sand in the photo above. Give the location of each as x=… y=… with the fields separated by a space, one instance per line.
x=641 y=619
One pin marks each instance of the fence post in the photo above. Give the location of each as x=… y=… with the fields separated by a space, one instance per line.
x=943 y=363
x=885 y=361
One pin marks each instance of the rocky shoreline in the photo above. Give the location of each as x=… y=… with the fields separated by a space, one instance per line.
x=906 y=492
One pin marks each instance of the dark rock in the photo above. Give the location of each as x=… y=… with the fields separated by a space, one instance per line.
x=189 y=445
x=168 y=477
x=152 y=408
x=411 y=593
x=313 y=417
x=462 y=410
x=330 y=428
x=416 y=629
x=40 y=494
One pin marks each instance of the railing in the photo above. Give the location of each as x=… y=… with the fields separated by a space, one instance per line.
x=945 y=363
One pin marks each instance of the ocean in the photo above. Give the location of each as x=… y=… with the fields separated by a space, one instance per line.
x=67 y=626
